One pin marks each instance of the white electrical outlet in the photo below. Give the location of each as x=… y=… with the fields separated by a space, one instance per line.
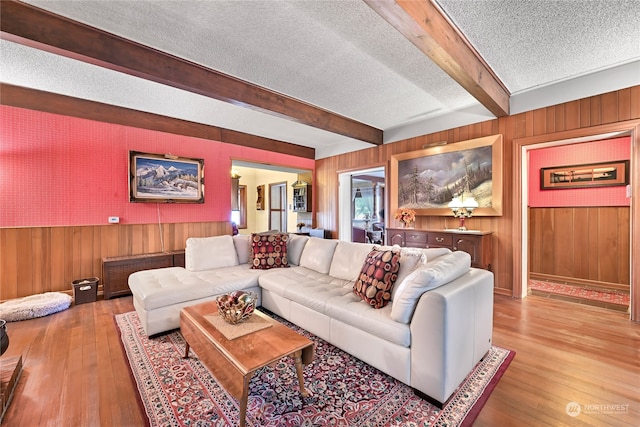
x=114 y=219
x=628 y=191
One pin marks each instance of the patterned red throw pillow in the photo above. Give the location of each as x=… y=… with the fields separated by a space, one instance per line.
x=269 y=251
x=379 y=273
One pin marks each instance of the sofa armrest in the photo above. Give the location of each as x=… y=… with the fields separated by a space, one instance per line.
x=451 y=330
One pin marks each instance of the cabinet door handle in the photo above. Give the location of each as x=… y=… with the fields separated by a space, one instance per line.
x=439 y=239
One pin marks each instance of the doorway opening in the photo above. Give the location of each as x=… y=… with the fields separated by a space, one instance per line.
x=253 y=211
x=362 y=205
x=523 y=257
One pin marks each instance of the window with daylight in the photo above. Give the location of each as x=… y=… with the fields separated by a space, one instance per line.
x=363 y=203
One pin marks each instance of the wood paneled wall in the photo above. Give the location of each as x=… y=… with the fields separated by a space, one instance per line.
x=613 y=107
x=582 y=243
x=45 y=259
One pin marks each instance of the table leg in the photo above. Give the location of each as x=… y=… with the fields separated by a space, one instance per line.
x=186 y=350
x=297 y=357
x=243 y=410
x=244 y=399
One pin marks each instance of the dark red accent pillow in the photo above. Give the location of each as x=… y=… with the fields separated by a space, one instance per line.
x=269 y=251
x=379 y=273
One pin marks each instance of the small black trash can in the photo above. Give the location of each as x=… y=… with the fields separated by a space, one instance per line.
x=85 y=290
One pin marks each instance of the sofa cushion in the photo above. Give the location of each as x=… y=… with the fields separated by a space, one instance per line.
x=163 y=287
x=295 y=247
x=242 y=243
x=433 y=253
x=378 y=274
x=430 y=276
x=351 y=310
x=269 y=251
x=305 y=286
x=318 y=254
x=204 y=253
x=347 y=260
x=334 y=298
x=410 y=259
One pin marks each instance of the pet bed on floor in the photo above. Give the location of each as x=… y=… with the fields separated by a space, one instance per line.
x=33 y=306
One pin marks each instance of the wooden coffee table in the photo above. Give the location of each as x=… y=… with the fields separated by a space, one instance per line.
x=233 y=362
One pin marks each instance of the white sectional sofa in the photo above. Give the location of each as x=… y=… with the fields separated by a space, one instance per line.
x=436 y=328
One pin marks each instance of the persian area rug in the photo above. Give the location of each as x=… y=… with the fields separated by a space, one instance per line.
x=346 y=391
x=33 y=306
x=603 y=295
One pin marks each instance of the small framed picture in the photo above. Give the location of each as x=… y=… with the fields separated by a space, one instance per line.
x=587 y=175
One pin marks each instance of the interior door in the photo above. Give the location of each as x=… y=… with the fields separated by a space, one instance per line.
x=278 y=206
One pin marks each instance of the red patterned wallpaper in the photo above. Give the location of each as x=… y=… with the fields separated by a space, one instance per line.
x=57 y=170
x=575 y=154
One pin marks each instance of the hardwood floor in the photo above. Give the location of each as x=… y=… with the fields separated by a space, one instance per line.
x=75 y=373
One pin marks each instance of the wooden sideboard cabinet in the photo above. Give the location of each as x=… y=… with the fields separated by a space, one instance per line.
x=116 y=270
x=475 y=243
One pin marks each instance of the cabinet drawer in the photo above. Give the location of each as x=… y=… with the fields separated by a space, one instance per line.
x=413 y=238
x=440 y=240
x=476 y=244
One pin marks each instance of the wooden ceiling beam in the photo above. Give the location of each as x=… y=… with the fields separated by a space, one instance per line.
x=427 y=27
x=28 y=25
x=33 y=99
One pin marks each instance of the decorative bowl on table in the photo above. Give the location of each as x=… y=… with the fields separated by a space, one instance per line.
x=236 y=306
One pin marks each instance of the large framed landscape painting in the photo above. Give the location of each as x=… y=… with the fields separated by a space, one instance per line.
x=427 y=180
x=161 y=178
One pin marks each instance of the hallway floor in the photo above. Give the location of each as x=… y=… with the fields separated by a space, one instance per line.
x=606 y=298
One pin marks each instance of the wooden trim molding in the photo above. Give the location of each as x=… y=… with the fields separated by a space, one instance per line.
x=28 y=25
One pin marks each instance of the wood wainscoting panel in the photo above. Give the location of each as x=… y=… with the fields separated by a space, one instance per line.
x=589 y=243
x=47 y=259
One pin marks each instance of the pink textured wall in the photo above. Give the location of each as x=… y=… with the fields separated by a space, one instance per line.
x=58 y=170
x=576 y=154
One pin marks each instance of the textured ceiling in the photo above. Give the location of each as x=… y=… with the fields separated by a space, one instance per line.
x=343 y=57
x=535 y=43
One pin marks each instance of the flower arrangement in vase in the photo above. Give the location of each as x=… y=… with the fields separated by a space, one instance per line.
x=406 y=216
